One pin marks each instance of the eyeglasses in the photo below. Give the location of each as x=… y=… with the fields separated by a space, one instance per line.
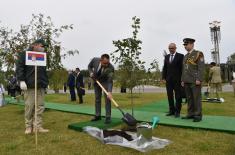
x=171 y=48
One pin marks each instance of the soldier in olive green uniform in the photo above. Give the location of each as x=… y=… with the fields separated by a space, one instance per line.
x=215 y=80
x=192 y=77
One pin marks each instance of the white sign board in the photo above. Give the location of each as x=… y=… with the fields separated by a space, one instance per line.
x=35 y=58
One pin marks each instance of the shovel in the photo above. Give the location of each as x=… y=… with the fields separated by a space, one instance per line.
x=127 y=118
x=155 y=122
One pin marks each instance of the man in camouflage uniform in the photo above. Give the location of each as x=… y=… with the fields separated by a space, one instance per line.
x=192 y=77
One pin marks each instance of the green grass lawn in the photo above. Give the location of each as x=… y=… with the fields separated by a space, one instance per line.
x=124 y=100
x=62 y=141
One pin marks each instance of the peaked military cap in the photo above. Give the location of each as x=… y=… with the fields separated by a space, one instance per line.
x=188 y=40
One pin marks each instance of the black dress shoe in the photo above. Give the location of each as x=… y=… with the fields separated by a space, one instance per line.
x=197 y=119
x=188 y=117
x=170 y=114
x=107 y=121
x=96 y=118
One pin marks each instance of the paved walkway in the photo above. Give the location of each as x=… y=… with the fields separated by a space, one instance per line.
x=152 y=89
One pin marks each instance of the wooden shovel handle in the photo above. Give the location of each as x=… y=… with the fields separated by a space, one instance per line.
x=105 y=91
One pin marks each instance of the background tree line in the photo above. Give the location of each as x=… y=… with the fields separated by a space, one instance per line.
x=13 y=42
x=131 y=70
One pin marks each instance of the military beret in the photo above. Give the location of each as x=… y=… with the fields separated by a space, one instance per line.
x=188 y=40
x=40 y=41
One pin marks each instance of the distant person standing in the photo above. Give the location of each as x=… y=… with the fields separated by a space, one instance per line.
x=171 y=75
x=102 y=70
x=25 y=75
x=192 y=78
x=215 y=81
x=71 y=84
x=79 y=85
x=89 y=84
x=12 y=86
x=65 y=87
x=233 y=82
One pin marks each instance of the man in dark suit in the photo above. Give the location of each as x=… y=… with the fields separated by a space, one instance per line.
x=171 y=75
x=102 y=70
x=79 y=85
x=71 y=84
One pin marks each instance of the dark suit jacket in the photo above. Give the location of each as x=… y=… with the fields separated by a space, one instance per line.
x=71 y=80
x=80 y=84
x=107 y=74
x=173 y=70
x=79 y=81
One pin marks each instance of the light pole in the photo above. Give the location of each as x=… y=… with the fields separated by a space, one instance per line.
x=215 y=38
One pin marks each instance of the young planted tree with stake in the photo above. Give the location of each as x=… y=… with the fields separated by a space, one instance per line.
x=127 y=56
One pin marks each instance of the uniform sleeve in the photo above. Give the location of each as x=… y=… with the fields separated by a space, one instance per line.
x=182 y=76
x=181 y=65
x=210 y=74
x=20 y=67
x=201 y=67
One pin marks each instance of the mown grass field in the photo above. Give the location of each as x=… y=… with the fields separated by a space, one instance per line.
x=62 y=141
x=124 y=100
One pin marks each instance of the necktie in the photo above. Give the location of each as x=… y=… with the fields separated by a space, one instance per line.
x=171 y=59
x=99 y=71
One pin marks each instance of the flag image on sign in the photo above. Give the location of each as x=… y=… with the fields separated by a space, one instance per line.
x=39 y=57
x=35 y=58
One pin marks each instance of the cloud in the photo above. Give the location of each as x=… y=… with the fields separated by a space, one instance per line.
x=97 y=23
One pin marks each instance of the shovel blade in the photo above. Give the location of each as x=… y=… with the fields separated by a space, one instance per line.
x=129 y=119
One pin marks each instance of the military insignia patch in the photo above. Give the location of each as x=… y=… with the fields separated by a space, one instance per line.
x=201 y=57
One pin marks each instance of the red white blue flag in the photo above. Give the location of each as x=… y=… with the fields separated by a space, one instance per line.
x=35 y=58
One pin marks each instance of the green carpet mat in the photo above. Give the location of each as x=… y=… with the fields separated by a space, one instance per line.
x=146 y=112
x=99 y=124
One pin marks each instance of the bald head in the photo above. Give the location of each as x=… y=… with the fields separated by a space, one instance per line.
x=172 y=48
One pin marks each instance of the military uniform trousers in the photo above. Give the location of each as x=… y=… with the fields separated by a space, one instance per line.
x=215 y=90
x=30 y=107
x=193 y=94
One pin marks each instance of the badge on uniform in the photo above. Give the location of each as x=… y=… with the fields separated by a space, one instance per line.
x=202 y=59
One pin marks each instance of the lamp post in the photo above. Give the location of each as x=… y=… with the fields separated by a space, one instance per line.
x=215 y=38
